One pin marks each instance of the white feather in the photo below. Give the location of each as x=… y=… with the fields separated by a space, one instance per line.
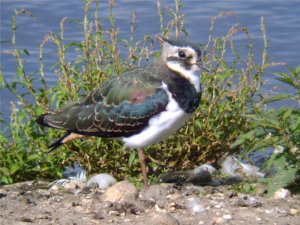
x=207 y=167
x=190 y=75
x=194 y=204
x=102 y=181
x=233 y=167
x=161 y=126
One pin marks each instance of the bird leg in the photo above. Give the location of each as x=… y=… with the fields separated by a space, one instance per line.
x=142 y=159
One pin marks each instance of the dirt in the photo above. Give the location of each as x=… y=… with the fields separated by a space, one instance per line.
x=34 y=203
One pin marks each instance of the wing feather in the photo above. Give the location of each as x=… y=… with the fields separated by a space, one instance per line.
x=120 y=107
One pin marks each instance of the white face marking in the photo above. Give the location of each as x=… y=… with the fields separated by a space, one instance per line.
x=161 y=126
x=190 y=75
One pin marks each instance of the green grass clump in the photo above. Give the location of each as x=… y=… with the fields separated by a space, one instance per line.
x=230 y=119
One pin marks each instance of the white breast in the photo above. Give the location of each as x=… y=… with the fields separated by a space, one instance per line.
x=161 y=126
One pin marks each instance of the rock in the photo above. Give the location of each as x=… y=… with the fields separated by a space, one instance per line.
x=161 y=219
x=217 y=220
x=122 y=192
x=113 y=213
x=65 y=220
x=27 y=219
x=102 y=181
x=293 y=212
x=191 y=189
x=54 y=189
x=99 y=216
x=227 y=217
x=70 y=186
x=177 y=177
x=199 y=177
x=154 y=192
x=247 y=202
x=282 y=193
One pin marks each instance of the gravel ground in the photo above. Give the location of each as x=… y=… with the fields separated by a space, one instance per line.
x=34 y=203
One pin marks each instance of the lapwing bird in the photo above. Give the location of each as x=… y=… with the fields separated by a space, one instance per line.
x=141 y=106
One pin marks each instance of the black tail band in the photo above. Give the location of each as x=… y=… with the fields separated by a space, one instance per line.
x=58 y=142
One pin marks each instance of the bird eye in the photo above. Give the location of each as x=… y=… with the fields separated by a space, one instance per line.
x=181 y=54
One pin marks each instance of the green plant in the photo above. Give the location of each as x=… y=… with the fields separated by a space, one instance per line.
x=278 y=129
x=226 y=111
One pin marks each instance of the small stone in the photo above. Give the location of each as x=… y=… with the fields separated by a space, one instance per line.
x=2 y=194
x=65 y=221
x=99 y=216
x=54 y=189
x=218 y=206
x=70 y=186
x=174 y=196
x=199 y=177
x=247 y=202
x=227 y=217
x=161 y=219
x=293 y=212
x=113 y=213
x=282 y=213
x=217 y=220
x=154 y=192
x=159 y=209
x=121 y=192
x=282 y=193
x=172 y=209
x=80 y=185
x=27 y=219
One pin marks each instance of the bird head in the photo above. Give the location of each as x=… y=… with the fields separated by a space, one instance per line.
x=180 y=54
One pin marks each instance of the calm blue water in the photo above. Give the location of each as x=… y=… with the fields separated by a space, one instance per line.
x=282 y=19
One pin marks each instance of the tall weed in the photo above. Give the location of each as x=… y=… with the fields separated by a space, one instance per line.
x=231 y=101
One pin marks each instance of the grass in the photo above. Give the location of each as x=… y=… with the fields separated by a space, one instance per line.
x=231 y=119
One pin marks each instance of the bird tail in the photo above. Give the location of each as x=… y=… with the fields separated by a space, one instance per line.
x=56 y=144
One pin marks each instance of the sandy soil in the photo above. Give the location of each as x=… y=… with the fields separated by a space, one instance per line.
x=34 y=203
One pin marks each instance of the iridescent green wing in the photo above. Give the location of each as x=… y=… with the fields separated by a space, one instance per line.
x=120 y=107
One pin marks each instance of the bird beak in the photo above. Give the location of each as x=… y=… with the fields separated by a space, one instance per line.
x=162 y=39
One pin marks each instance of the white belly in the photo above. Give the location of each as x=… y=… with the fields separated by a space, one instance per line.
x=160 y=127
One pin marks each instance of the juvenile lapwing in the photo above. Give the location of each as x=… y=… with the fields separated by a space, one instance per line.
x=141 y=106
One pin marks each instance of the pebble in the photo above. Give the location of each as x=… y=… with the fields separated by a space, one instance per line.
x=161 y=219
x=121 y=192
x=282 y=193
x=70 y=186
x=247 y=202
x=293 y=212
x=113 y=213
x=217 y=220
x=27 y=219
x=154 y=192
x=54 y=189
x=65 y=220
x=227 y=217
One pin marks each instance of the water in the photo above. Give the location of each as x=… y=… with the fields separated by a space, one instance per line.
x=281 y=18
